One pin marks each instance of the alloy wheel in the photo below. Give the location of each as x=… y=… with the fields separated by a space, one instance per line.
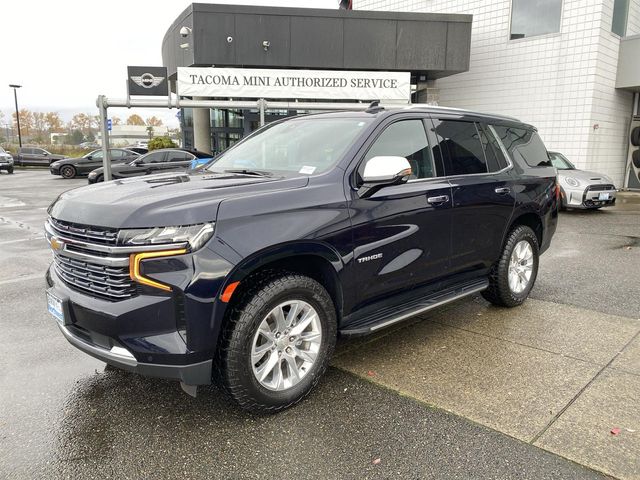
x=520 y=267
x=286 y=345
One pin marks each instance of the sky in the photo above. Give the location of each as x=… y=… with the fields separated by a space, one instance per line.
x=65 y=53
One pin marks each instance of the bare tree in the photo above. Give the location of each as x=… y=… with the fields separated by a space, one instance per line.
x=115 y=120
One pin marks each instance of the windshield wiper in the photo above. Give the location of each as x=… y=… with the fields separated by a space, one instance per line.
x=245 y=171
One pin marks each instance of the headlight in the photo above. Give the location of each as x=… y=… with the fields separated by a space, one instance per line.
x=195 y=235
x=571 y=181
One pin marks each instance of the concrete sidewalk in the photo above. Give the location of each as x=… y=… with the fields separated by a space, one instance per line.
x=552 y=375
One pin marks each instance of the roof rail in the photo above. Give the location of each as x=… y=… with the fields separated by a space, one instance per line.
x=450 y=109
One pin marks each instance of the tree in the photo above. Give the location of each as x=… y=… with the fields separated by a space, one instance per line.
x=115 y=120
x=82 y=122
x=53 y=122
x=161 y=142
x=26 y=121
x=135 y=120
x=150 y=132
x=154 y=121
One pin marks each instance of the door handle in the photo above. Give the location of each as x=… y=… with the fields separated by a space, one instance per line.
x=438 y=200
x=503 y=190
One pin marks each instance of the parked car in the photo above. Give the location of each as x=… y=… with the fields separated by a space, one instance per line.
x=72 y=167
x=134 y=148
x=580 y=188
x=314 y=226
x=34 y=156
x=89 y=145
x=6 y=161
x=157 y=161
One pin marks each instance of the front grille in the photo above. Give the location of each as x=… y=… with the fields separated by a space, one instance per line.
x=90 y=261
x=100 y=235
x=112 y=283
x=600 y=188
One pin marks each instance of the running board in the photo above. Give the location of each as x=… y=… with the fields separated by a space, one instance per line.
x=391 y=315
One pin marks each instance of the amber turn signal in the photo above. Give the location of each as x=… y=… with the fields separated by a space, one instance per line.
x=226 y=295
x=134 y=267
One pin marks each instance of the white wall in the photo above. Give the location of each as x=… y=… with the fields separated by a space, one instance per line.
x=562 y=83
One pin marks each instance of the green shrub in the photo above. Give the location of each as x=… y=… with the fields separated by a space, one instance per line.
x=161 y=142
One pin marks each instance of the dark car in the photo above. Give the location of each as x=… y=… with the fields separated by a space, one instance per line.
x=340 y=223
x=72 y=167
x=135 y=148
x=34 y=156
x=157 y=161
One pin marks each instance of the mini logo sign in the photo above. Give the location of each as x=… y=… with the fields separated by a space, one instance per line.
x=147 y=81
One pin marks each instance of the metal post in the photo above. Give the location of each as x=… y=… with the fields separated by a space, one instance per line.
x=15 y=97
x=106 y=161
x=262 y=105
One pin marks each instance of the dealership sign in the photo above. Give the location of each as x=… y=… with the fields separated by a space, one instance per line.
x=294 y=84
x=147 y=81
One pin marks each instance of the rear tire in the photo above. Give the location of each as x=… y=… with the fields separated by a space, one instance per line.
x=512 y=277
x=100 y=178
x=67 y=171
x=246 y=373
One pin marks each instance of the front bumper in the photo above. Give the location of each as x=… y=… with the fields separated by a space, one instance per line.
x=154 y=333
x=193 y=374
x=588 y=196
x=5 y=165
x=54 y=170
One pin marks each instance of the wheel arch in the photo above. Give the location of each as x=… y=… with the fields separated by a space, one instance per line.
x=531 y=220
x=316 y=260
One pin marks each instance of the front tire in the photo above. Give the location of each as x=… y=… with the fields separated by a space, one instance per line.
x=67 y=171
x=277 y=342
x=512 y=277
x=10 y=170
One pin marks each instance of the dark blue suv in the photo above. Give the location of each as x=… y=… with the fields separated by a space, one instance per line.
x=244 y=273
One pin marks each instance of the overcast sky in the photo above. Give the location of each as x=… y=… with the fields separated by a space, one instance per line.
x=65 y=53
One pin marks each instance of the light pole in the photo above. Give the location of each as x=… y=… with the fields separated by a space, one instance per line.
x=15 y=97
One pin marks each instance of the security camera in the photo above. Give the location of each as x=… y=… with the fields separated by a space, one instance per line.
x=229 y=39
x=184 y=32
x=266 y=44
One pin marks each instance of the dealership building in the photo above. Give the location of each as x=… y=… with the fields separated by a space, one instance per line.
x=569 y=67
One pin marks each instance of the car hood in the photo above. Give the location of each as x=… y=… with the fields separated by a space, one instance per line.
x=161 y=200
x=584 y=176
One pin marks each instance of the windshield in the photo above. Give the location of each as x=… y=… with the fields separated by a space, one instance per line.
x=560 y=161
x=2 y=150
x=305 y=145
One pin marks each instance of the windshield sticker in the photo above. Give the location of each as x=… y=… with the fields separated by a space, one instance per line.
x=307 y=170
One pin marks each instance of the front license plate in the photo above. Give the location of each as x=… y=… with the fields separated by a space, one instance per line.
x=603 y=196
x=54 y=306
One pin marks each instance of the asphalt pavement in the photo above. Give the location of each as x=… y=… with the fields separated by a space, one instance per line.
x=384 y=410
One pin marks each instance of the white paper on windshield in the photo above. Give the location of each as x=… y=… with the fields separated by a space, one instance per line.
x=307 y=170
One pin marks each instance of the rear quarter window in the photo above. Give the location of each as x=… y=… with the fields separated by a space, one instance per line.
x=524 y=145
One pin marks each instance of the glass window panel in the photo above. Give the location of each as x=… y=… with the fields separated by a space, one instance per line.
x=524 y=144
x=620 y=12
x=535 y=17
x=460 y=146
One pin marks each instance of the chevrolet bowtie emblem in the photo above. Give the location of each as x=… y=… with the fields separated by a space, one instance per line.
x=56 y=244
x=147 y=80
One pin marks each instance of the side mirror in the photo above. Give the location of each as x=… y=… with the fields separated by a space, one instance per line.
x=89 y=157
x=46 y=154
x=384 y=171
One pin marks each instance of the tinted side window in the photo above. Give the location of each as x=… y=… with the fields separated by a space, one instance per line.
x=460 y=147
x=496 y=160
x=524 y=145
x=406 y=138
x=155 y=157
x=117 y=154
x=178 y=157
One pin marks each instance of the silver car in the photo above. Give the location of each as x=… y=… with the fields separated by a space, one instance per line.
x=6 y=161
x=582 y=189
